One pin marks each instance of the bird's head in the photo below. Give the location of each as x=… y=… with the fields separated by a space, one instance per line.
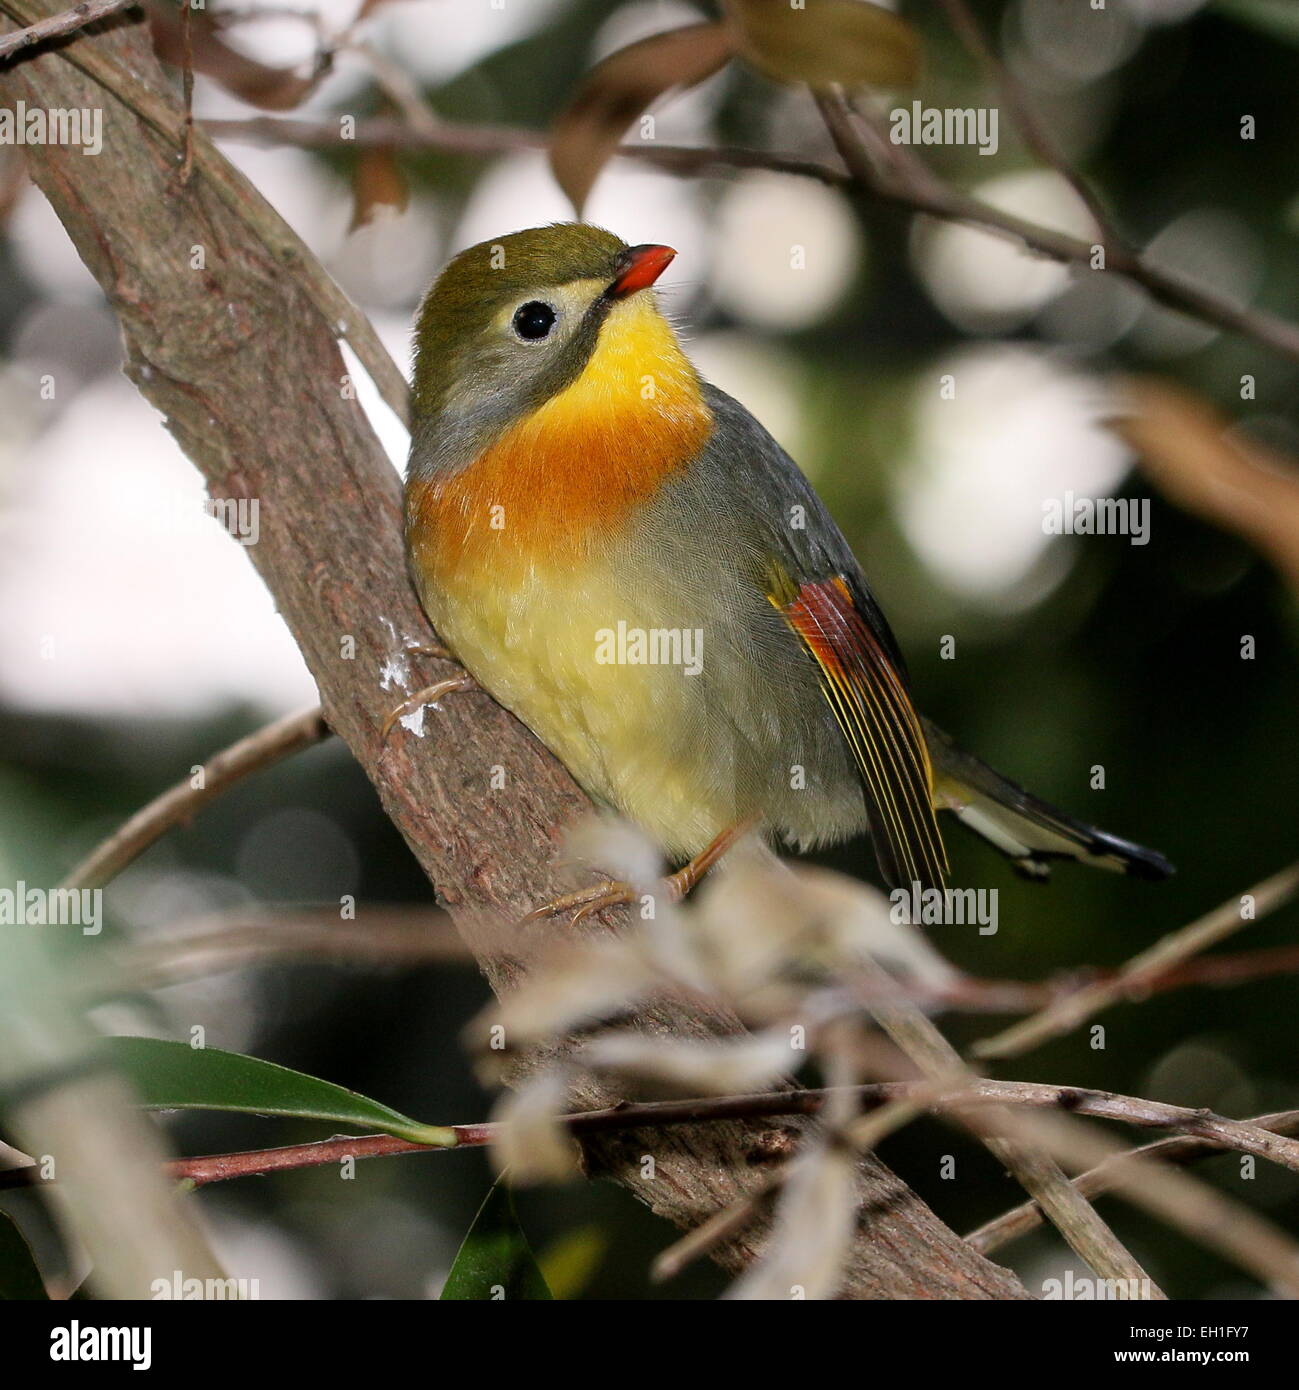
x=513 y=323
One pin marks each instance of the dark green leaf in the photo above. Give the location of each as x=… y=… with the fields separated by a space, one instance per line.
x=19 y=1277
x=826 y=41
x=173 y=1076
x=495 y=1261
x=1278 y=18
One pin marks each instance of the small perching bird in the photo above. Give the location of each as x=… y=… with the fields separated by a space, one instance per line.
x=620 y=554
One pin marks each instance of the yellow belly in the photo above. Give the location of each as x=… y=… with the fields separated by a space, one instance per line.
x=546 y=646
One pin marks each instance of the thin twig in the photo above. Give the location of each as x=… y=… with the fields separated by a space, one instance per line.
x=1132 y=980
x=483 y=141
x=904 y=186
x=268 y=745
x=908 y=184
x=1019 y=1221
x=1200 y=1211
x=386 y=936
x=1237 y=969
x=1199 y=1128
x=1086 y=1233
x=187 y=90
x=57 y=25
x=1035 y=134
x=948 y=1081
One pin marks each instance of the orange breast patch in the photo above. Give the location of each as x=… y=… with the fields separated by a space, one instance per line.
x=564 y=479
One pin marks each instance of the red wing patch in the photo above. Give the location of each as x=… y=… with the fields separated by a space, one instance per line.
x=879 y=725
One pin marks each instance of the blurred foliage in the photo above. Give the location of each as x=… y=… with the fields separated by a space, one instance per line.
x=495 y=1262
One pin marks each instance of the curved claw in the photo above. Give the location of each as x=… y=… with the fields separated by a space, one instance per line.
x=586 y=901
x=615 y=894
x=430 y=695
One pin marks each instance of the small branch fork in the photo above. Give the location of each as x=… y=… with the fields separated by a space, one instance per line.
x=905 y=182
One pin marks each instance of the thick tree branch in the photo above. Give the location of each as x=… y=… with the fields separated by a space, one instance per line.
x=241 y=359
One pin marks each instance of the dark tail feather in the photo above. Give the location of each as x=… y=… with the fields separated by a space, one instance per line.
x=1029 y=832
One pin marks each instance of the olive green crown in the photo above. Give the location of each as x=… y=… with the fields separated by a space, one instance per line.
x=469 y=294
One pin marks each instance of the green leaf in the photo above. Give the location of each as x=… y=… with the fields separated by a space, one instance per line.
x=495 y=1260
x=1277 y=18
x=20 y=1280
x=568 y=1264
x=826 y=41
x=173 y=1076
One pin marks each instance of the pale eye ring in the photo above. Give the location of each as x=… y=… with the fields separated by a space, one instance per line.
x=534 y=320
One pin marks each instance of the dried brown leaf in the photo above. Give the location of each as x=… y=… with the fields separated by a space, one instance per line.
x=619 y=89
x=377 y=182
x=574 y=986
x=271 y=89
x=1187 y=451
x=850 y=42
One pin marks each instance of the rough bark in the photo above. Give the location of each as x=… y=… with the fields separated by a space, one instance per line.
x=246 y=372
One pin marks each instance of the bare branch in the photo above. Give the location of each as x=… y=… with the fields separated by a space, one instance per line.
x=1071 y=1214
x=901 y=180
x=385 y=936
x=1203 y=1213
x=56 y=26
x=451 y=137
x=1035 y=134
x=1019 y=1221
x=268 y=745
x=907 y=183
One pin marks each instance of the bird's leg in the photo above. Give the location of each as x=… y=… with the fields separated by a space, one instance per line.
x=430 y=695
x=586 y=901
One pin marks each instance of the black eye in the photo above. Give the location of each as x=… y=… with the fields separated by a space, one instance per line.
x=533 y=320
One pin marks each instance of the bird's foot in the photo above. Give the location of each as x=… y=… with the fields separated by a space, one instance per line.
x=430 y=695
x=613 y=893
x=584 y=902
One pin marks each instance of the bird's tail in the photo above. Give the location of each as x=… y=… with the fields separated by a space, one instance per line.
x=1029 y=832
